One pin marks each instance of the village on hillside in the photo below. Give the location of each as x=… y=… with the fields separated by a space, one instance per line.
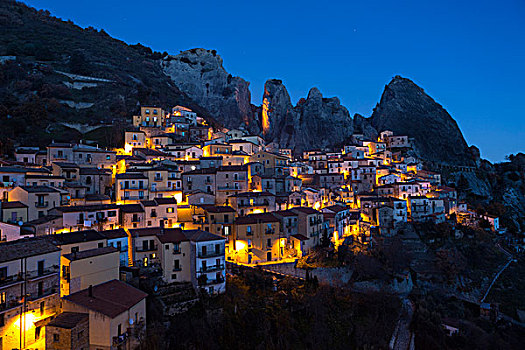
x=82 y=227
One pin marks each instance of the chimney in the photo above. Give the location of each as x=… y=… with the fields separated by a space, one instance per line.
x=90 y=291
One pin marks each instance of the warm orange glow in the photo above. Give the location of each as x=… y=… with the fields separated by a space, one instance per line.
x=265 y=118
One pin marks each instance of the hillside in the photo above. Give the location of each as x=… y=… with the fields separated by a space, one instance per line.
x=36 y=94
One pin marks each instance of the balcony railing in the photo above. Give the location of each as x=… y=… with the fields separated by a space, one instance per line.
x=131 y=198
x=162 y=189
x=45 y=293
x=157 y=178
x=41 y=204
x=230 y=188
x=133 y=187
x=207 y=282
x=177 y=268
x=146 y=249
x=269 y=231
x=120 y=340
x=212 y=268
x=211 y=254
x=44 y=272
x=176 y=251
x=254 y=204
x=11 y=279
x=10 y=304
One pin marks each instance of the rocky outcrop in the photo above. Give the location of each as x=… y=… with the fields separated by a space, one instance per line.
x=406 y=109
x=315 y=122
x=201 y=75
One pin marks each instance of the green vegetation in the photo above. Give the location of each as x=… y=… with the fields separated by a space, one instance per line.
x=253 y=315
x=509 y=289
x=474 y=332
x=32 y=89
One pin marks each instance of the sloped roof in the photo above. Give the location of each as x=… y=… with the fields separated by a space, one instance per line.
x=110 y=299
x=24 y=248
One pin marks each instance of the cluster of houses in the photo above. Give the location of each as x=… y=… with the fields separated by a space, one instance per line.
x=182 y=198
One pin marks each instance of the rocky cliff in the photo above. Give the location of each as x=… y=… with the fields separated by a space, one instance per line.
x=315 y=122
x=201 y=75
x=406 y=109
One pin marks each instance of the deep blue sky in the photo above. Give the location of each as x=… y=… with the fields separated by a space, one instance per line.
x=469 y=56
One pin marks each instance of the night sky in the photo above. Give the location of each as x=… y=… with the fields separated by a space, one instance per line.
x=469 y=56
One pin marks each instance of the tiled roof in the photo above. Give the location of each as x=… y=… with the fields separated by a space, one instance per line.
x=110 y=299
x=131 y=208
x=90 y=253
x=24 y=248
x=12 y=205
x=256 y=218
x=88 y=208
x=68 y=320
x=112 y=234
x=306 y=210
x=75 y=237
x=39 y=189
x=217 y=208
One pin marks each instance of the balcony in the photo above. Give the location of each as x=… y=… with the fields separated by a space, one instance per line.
x=65 y=201
x=207 y=282
x=9 y=280
x=43 y=204
x=133 y=187
x=212 y=268
x=157 y=178
x=211 y=254
x=131 y=198
x=263 y=203
x=120 y=340
x=162 y=189
x=11 y=304
x=146 y=249
x=44 y=293
x=177 y=269
x=42 y=273
x=228 y=188
x=269 y=231
x=176 y=251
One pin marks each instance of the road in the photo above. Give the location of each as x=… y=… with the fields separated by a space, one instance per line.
x=402 y=337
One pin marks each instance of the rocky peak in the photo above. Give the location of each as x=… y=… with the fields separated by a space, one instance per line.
x=315 y=122
x=406 y=109
x=201 y=75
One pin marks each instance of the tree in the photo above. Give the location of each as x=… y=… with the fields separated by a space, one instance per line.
x=78 y=63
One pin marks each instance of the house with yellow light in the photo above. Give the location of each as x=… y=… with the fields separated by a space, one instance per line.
x=256 y=238
x=150 y=116
x=117 y=314
x=252 y=202
x=134 y=139
x=29 y=291
x=131 y=187
x=274 y=164
x=79 y=270
x=217 y=219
